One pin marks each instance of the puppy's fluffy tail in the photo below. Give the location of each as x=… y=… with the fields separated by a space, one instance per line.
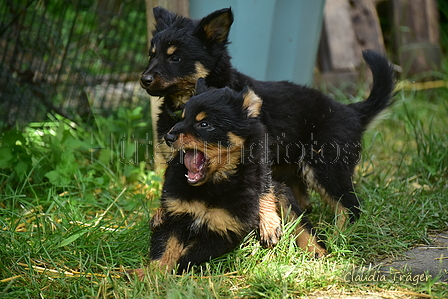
x=382 y=90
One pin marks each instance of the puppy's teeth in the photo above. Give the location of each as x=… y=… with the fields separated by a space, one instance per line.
x=184 y=151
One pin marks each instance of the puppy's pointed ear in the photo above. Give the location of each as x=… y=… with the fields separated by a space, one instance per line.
x=163 y=18
x=201 y=86
x=215 y=27
x=251 y=102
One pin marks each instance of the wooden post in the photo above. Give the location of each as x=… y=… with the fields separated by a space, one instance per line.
x=366 y=24
x=342 y=52
x=349 y=27
x=416 y=35
x=181 y=7
x=178 y=6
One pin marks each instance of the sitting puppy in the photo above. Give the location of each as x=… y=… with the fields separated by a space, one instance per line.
x=218 y=186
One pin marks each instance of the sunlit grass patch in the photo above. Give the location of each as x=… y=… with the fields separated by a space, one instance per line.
x=75 y=236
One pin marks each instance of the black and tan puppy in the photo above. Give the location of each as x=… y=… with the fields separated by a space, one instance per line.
x=218 y=186
x=315 y=142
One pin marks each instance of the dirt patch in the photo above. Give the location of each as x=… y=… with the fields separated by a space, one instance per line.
x=426 y=262
x=418 y=265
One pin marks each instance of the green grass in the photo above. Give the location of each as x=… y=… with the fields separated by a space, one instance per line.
x=70 y=228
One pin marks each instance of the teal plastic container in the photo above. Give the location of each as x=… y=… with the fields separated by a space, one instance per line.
x=271 y=39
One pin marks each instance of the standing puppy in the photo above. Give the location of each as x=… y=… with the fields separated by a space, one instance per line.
x=315 y=142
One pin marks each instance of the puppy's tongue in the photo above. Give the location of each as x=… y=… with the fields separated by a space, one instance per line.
x=194 y=161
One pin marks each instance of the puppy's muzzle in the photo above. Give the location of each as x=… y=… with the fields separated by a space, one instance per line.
x=170 y=139
x=146 y=80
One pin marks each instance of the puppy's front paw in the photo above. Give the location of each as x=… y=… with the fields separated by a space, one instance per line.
x=270 y=234
x=139 y=273
x=270 y=221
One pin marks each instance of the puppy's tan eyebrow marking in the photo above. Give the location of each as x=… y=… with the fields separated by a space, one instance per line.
x=171 y=50
x=153 y=49
x=201 y=116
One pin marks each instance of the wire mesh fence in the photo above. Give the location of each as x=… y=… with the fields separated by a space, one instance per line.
x=70 y=57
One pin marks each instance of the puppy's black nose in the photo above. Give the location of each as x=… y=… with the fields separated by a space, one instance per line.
x=170 y=138
x=146 y=80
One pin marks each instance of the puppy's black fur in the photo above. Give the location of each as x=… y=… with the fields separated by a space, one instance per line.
x=315 y=142
x=218 y=187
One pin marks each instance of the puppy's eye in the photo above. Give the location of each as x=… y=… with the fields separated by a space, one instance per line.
x=174 y=58
x=203 y=125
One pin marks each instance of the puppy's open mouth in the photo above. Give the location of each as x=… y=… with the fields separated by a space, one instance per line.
x=195 y=162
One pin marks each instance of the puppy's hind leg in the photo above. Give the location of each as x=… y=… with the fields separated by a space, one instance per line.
x=166 y=250
x=157 y=219
x=335 y=187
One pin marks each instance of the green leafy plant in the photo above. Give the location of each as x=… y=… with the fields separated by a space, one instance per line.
x=70 y=158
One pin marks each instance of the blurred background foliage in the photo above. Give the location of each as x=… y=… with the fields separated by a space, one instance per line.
x=70 y=57
x=71 y=107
